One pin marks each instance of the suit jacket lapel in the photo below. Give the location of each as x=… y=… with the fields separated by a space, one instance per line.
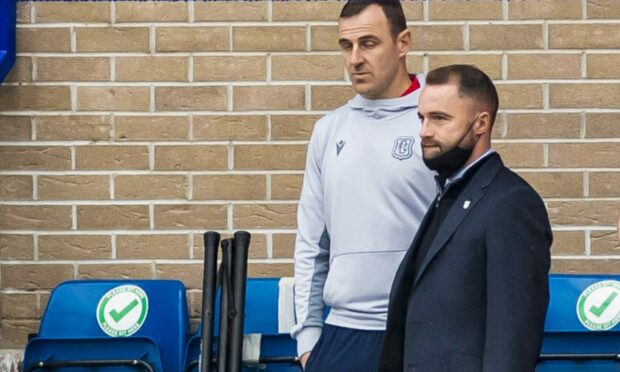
x=465 y=202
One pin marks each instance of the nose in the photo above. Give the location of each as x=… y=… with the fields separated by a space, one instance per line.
x=356 y=56
x=425 y=131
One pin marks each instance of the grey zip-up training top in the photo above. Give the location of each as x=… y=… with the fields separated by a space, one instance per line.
x=364 y=194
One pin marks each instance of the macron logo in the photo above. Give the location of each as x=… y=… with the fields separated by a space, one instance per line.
x=339 y=146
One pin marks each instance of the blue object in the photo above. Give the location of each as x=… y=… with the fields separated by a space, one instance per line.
x=261 y=317
x=70 y=329
x=565 y=334
x=7 y=37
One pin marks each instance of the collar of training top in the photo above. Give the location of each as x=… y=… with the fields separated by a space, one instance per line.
x=405 y=102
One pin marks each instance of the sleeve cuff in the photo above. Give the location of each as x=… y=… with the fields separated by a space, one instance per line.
x=307 y=338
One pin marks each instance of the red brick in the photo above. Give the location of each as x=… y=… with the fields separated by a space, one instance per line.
x=283 y=245
x=190 y=98
x=152 y=69
x=230 y=11
x=113 y=98
x=568 y=243
x=274 y=157
x=250 y=98
x=437 y=38
x=152 y=247
x=229 y=187
x=292 y=127
x=35 y=157
x=580 y=36
x=230 y=127
x=590 y=95
x=147 y=11
x=35 y=276
x=73 y=69
x=269 y=38
x=605 y=243
x=43 y=40
x=462 y=10
x=544 y=9
x=74 y=247
x=15 y=128
x=31 y=217
x=270 y=270
x=16 y=247
x=595 y=155
x=151 y=128
x=192 y=216
x=502 y=37
x=63 y=12
x=192 y=39
x=73 y=127
x=543 y=125
x=264 y=216
x=585 y=266
x=41 y=98
x=115 y=270
x=111 y=157
x=148 y=187
x=112 y=217
x=230 y=68
x=15 y=187
x=195 y=157
x=112 y=39
x=330 y=97
x=73 y=187
x=602 y=125
x=583 y=212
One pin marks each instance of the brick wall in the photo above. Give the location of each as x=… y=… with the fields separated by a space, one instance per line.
x=128 y=128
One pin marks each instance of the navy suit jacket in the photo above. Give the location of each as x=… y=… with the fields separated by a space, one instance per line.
x=478 y=302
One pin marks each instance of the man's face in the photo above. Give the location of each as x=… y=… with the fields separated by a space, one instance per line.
x=446 y=119
x=370 y=53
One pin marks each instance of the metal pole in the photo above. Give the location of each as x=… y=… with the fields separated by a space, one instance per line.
x=211 y=245
x=239 y=273
x=224 y=305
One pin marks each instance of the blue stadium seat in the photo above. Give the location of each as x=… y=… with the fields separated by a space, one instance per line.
x=261 y=318
x=108 y=320
x=568 y=345
x=7 y=37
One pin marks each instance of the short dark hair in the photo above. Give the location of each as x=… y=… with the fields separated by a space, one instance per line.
x=391 y=8
x=472 y=82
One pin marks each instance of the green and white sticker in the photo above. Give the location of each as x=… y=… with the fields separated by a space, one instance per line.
x=598 y=306
x=122 y=310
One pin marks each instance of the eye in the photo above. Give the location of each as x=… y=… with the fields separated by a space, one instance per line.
x=369 y=44
x=345 y=45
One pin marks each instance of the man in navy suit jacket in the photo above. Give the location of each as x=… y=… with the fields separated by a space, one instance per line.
x=472 y=292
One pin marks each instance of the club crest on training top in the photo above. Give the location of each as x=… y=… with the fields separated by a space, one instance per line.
x=403 y=148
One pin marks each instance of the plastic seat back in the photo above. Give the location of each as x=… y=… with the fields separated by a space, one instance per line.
x=114 y=319
x=582 y=325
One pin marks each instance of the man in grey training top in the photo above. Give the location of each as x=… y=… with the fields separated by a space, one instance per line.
x=365 y=191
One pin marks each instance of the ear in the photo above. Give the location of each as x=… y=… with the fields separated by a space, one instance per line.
x=403 y=43
x=483 y=124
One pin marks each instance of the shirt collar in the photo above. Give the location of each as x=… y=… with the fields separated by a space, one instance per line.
x=443 y=185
